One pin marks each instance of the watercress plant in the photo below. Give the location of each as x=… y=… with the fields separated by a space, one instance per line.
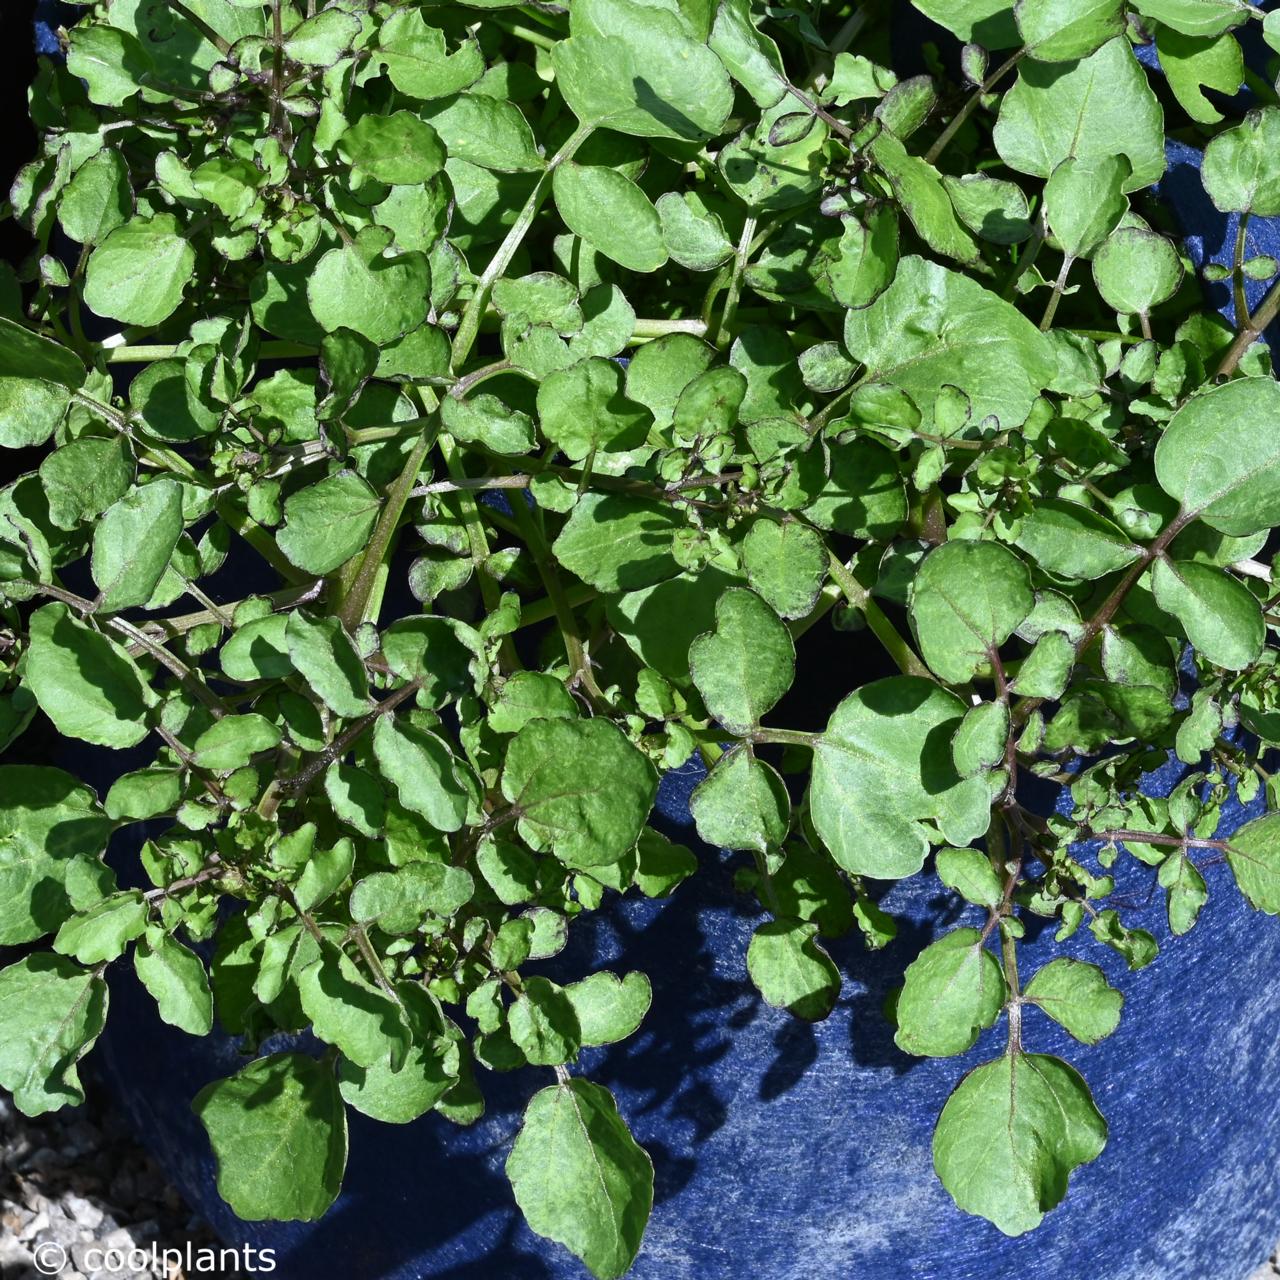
x=637 y=341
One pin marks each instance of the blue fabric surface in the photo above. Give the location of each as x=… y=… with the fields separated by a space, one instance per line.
x=791 y=1152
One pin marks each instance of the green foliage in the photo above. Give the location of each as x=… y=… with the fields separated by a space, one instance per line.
x=373 y=270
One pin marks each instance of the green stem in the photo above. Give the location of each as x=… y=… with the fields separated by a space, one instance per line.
x=884 y=631
x=740 y=259
x=148 y=354
x=1251 y=332
x=356 y=592
x=222 y=45
x=540 y=39
x=174 y=665
x=1056 y=296
x=944 y=138
x=261 y=541
x=784 y=737
x=1109 y=607
x=1237 y=274
x=1026 y=260
x=478 y=543
x=836 y=126
x=469 y=327
x=158 y=454
x=537 y=611
x=579 y=662
x=647 y=329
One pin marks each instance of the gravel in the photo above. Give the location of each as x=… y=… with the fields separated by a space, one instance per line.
x=73 y=1185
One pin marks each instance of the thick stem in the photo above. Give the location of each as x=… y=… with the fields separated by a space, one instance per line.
x=836 y=126
x=1108 y=608
x=1148 y=837
x=1056 y=296
x=784 y=737
x=299 y=782
x=149 y=354
x=1251 y=332
x=355 y=588
x=740 y=258
x=469 y=327
x=1237 y=272
x=579 y=661
x=860 y=598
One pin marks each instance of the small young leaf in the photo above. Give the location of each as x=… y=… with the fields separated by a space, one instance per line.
x=741 y=804
x=970 y=874
x=176 y=978
x=953 y=990
x=1078 y=997
x=746 y=664
x=609 y=1008
x=1253 y=854
x=791 y=970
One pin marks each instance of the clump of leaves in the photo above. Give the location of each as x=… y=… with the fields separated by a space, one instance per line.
x=645 y=339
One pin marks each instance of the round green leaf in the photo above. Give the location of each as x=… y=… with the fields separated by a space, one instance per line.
x=328 y=522
x=279 y=1132
x=138 y=274
x=583 y=409
x=1220 y=456
x=611 y=214
x=580 y=1178
x=882 y=768
x=1034 y=1122
x=967 y=599
x=84 y=682
x=1221 y=616
x=1135 y=270
x=399 y=149
x=364 y=287
x=741 y=804
x=1241 y=169
x=952 y=991
x=1099 y=106
x=579 y=789
x=1066 y=30
x=791 y=969
x=746 y=664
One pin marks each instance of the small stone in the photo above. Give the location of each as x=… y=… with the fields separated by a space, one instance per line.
x=37 y=1223
x=82 y=1211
